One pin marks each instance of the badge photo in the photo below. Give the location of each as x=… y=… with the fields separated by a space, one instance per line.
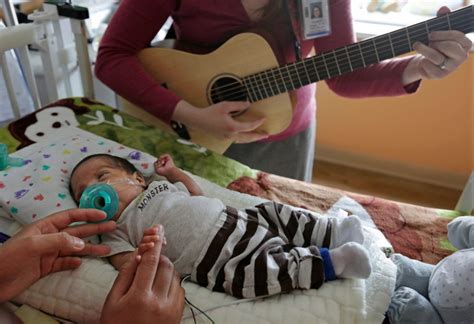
x=314 y=18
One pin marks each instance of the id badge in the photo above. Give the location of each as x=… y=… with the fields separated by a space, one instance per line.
x=314 y=18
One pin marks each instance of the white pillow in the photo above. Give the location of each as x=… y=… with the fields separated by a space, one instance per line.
x=41 y=186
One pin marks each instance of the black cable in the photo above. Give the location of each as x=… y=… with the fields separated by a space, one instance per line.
x=191 y=308
x=191 y=305
x=202 y=312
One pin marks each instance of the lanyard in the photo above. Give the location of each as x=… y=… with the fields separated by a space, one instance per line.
x=291 y=7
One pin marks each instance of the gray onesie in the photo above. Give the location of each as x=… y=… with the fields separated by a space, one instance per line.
x=187 y=221
x=257 y=251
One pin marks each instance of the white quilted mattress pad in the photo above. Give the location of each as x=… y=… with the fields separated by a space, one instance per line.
x=79 y=295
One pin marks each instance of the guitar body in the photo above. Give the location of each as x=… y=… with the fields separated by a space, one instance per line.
x=192 y=76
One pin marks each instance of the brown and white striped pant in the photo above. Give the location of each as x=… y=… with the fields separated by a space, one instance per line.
x=264 y=250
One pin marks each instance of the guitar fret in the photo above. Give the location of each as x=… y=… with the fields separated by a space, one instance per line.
x=283 y=81
x=255 y=88
x=289 y=77
x=410 y=45
x=435 y=25
x=325 y=65
x=264 y=87
x=417 y=34
x=322 y=72
x=362 y=55
x=330 y=63
x=308 y=78
x=277 y=83
x=313 y=60
x=299 y=75
x=384 y=47
x=249 y=90
x=269 y=84
x=449 y=22
x=308 y=67
x=368 y=49
x=249 y=85
x=258 y=87
x=400 y=38
x=337 y=63
x=295 y=69
x=458 y=24
x=376 y=52
x=349 y=59
x=463 y=20
x=279 y=86
x=342 y=60
x=391 y=45
x=355 y=55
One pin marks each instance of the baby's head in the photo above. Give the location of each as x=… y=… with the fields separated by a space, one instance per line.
x=109 y=169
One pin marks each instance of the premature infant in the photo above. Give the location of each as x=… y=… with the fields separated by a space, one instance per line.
x=263 y=250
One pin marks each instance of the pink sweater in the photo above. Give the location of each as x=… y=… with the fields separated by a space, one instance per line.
x=210 y=23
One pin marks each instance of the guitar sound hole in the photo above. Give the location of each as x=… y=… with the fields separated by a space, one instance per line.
x=228 y=88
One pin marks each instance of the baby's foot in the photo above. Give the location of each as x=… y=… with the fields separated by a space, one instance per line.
x=351 y=260
x=346 y=229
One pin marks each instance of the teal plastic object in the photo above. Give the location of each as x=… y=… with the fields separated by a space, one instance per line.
x=6 y=161
x=100 y=196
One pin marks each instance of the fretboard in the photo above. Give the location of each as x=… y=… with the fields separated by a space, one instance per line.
x=346 y=59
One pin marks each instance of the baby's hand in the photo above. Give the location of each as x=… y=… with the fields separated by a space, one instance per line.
x=150 y=237
x=164 y=164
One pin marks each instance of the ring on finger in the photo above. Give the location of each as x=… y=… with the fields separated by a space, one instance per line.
x=443 y=64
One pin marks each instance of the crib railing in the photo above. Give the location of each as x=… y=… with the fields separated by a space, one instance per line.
x=58 y=34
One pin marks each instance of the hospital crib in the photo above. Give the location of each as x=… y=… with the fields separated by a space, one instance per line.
x=59 y=36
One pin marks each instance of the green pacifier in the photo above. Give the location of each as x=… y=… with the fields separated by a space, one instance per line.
x=101 y=196
x=6 y=161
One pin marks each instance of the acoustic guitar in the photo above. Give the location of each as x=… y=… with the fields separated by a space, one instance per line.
x=245 y=68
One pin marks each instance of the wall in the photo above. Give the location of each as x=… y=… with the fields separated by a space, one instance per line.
x=427 y=136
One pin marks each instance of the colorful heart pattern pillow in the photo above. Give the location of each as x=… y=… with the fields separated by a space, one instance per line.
x=41 y=186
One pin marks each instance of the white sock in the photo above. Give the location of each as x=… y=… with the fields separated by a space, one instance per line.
x=346 y=229
x=351 y=260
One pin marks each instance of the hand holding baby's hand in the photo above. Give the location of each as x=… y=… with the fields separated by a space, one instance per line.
x=164 y=164
x=150 y=237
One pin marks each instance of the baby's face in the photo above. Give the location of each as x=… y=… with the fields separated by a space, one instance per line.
x=99 y=170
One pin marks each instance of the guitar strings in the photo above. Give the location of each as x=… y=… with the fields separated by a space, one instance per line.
x=233 y=86
x=335 y=64
x=413 y=36
x=302 y=64
x=290 y=75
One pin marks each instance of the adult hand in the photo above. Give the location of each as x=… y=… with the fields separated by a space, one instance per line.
x=147 y=289
x=446 y=52
x=218 y=121
x=47 y=246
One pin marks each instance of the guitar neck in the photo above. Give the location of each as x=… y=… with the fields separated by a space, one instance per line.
x=346 y=59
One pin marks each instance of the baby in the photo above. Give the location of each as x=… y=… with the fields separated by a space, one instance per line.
x=258 y=251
